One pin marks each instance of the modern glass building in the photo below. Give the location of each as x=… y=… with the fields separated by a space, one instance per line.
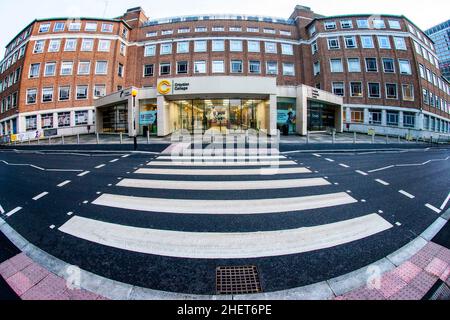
x=441 y=37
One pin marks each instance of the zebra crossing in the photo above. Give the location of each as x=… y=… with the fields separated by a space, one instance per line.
x=192 y=175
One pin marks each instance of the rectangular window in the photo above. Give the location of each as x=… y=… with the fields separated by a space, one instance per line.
x=356 y=89
x=87 y=45
x=269 y=31
x=47 y=121
x=236 y=45
x=422 y=71
x=71 y=45
x=99 y=90
x=388 y=65
x=50 y=69
x=346 y=24
x=75 y=26
x=354 y=65
x=101 y=67
x=164 y=69
x=272 y=67
x=383 y=42
x=400 y=43
x=150 y=50
x=66 y=68
x=426 y=99
x=287 y=49
x=107 y=27
x=201 y=29
x=316 y=68
x=350 y=42
x=184 y=30
x=409 y=120
x=392 y=118
x=31 y=123
x=405 y=67
x=84 y=67
x=200 y=67
x=375 y=116
x=314 y=47
x=104 y=45
x=363 y=23
x=254 y=67
x=166 y=48
x=182 y=67
x=47 y=94
x=338 y=88
x=378 y=24
x=82 y=92
x=374 y=90
x=31 y=96
x=235 y=29
x=357 y=116
x=218 y=29
x=391 y=91
x=218 y=66
x=54 y=45
x=149 y=70
x=151 y=34
x=254 y=46
x=252 y=29
x=288 y=69
x=330 y=25
x=333 y=43
x=123 y=49
x=394 y=24
x=120 y=70
x=81 y=118
x=166 y=32
x=39 y=46
x=336 y=65
x=367 y=42
x=44 y=27
x=63 y=119
x=218 y=45
x=64 y=93
x=236 y=66
x=200 y=46
x=371 y=65
x=91 y=26
x=270 y=47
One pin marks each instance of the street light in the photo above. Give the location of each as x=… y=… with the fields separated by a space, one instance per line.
x=134 y=93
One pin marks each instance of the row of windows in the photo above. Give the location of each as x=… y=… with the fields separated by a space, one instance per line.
x=392 y=117
x=12 y=79
x=427 y=55
x=356 y=90
x=9 y=102
x=218 y=46
x=64 y=93
x=71 y=45
x=63 y=120
x=18 y=41
x=76 y=26
x=218 y=66
x=434 y=101
x=371 y=65
x=12 y=60
x=67 y=67
x=361 y=24
x=366 y=42
x=218 y=29
x=432 y=78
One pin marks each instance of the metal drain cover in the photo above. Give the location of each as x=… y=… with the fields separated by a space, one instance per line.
x=442 y=293
x=237 y=280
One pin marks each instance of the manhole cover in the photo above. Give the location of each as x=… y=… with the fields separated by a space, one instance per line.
x=238 y=280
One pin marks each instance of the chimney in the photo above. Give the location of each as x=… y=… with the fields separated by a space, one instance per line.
x=135 y=17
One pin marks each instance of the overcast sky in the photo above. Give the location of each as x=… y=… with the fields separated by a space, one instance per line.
x=16 y=14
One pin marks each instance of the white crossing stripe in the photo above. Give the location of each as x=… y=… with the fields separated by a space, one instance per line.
x=409 y=195
x=329 y=160
x=83 y=173
x=223 y=172
x=429 y=206
x=220 y=158
x=231 y=151
x=9 y=214
x=258 y=206
x=382 y=182
x=444 y=204
x=223 y=185
x=126 y=156
x=344 y=165
x=317 y=155
x=2 y=211
x=115 y=160
x=100 y=166
x=222 y=163
x=361 y=172
x=203 y=245
x=176 y=148
x=62 y=184
x=39 y=196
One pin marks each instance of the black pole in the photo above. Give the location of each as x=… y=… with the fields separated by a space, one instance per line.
x=134 y=124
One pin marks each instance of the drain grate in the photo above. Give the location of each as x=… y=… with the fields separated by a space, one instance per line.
x=238 y=280
x=442 y=293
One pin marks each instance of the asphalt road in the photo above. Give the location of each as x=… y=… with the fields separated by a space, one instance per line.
x=422 y=174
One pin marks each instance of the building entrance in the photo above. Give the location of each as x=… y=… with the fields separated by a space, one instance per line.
x=320 y=116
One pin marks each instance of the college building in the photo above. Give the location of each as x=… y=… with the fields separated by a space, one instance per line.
x=222 y=74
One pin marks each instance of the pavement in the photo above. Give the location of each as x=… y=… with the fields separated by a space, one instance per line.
x=149 y=227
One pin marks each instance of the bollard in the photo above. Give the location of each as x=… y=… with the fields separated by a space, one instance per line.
x=62 y=140
x=148 y=137
x=307 y=137
x=97 y=137
x=334 y=137
x=78 y=138
x=373 y=138
x=354 y=137
x=121 y=138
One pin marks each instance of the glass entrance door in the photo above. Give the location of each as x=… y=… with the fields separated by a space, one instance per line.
x=217 y=114
x=320 y=116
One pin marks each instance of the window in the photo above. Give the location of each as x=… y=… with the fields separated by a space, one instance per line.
x=201 y=29
x=151 y=34
x=149 y=70
x=166 y=48
x=394 y=24
x=34 y=70
x=336 y=65
x=392 y=118
x=235 y=45
x=252 y=29
x=316 y=68
x=400 y=43
x=182 y=67
x=350 y=42
x=287 y=49
x=371 y=65
x=408 y=92
x=47 y=121
x=54 y=45
x=367 y=42
x=235 y=29
x=391 y=91
x=200 y=46
x=254 y=66
x=346 y=24
x=66 y=68
x=75 y=26
x=87 y=45
x=39 y=46
x=338 y=88
x=272 y=68
x=64 y=93
x=164 y=69
x=150 y=50
x=314 y=47
x=356 y=89
x=200 y=67
x=375 y=116
x=409 y=120
x=123 y=49
x=312 y=31
x=354 y=65
x=31 y=123
x=270 y=47
x=81 y=117
x=166 y=32
x=236 y=66
x=82 y=92
x=362 y=23
x=218 y=45
x=50 y=69
x=91 y=26
x=218 y=66
x=47 y=94
x=288 y=69
x=270 y=31
x=218 y=29
x=254 y=46
x=104 y=45
x=422 y=71
x=378 y=24
x=357 y=116
x=383 y=42
x=388 y=65
x=64 y=119
x=330 y=25
x=101 y=67
x=84 y=67
x=374 y=90
x=405 y=67
x=184 y=30
x=44 y=27
x=99 y=90
x=31 y=96
x=107 y=27
x=333 y=43
x=71 y=45
x=183 y=47
x=426 y=99
x=120 y=70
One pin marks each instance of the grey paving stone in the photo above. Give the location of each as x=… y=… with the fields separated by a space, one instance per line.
x=434 y=229
x=407 y=251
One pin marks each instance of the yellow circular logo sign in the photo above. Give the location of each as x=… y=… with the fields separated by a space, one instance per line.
x=164 y=86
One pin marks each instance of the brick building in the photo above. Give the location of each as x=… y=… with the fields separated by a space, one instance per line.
x=221 y=73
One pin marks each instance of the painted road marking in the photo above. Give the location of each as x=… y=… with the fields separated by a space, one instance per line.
x=203 y=245
x=344 y=165
x=258 y=206
x=83 y=173
x=382 y=182
x=444 y=204
x=223 y=185
x=429 y=206
x=409 y=195
x=62 y=184
x=220 y=158
x=329 y=160
x=2 y=211
x=222 y=172
x=39 y=168
x=223 y=163
x=411 y=164
x=9 y=214
x=39 y=196
x=388 y=167
x=361 y=172
x=126 y=156
x=317 y=155
x=100 y=166
x=115 y=160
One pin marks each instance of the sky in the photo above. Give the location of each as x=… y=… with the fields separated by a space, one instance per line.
x=424 y=16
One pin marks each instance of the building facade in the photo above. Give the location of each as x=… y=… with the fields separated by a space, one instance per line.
x=440 y=34
x=216 y=73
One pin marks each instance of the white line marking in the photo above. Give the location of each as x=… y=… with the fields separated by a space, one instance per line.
x=83 y=173
x=62 y=184
x=388 y=167
x=317 y=155
x=329 y=160
x=100 y=166
x=115 y=160
x=444 y=204
x=39 y=196
x=52 y=226
x=361 y=172
x=39 y=168
x=411 y=164
x=429 y=206
x=382 y=182
x=9 y=214
x=222 y=172
x=344 y=165
x=222 y=163
x=220 y=158
x=204 y=245
x=223 y=185
x=409 y=195
x=231 y=207
x=126 y=156
x=2 y=211
x=70 y=213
